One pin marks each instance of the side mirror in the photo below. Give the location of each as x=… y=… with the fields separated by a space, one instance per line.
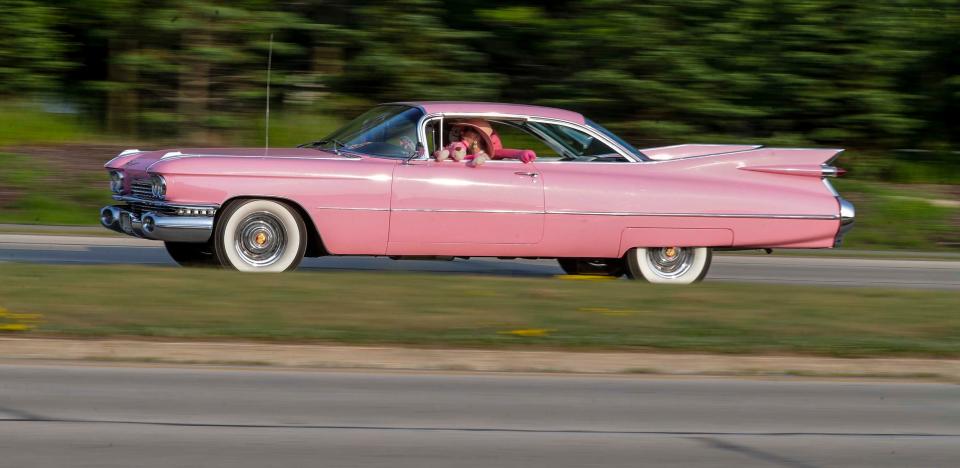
x=417 y=151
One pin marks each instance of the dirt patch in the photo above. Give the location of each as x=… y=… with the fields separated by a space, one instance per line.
x=71 y=158
x=8 y=196
x=363 y=357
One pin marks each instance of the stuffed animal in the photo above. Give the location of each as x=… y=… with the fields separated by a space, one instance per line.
x=455 y=151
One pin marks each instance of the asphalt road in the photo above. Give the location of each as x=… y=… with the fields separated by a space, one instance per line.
x=776 y=268
x=52 y=415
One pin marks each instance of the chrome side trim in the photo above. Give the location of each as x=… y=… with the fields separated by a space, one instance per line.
x=614 y=213
x=351 y=209
x=829 y=171
x=440 y=210
x=699 y=215
x=829 y=186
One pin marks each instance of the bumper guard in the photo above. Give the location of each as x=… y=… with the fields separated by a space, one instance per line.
x=847 y=215
x=156 y=226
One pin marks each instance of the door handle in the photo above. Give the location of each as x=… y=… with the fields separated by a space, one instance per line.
x=528 y=174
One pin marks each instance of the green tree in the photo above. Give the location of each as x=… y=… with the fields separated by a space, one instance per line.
x=32 y=54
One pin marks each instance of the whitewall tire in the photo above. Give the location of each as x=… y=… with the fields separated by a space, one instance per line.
x=669 y=265
x=260 y=236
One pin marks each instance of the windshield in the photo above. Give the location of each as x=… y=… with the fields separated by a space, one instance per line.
x=614 y=137
x=387 y=131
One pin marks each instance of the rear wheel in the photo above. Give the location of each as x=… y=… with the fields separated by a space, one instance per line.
x=669 y=265
x=260 y=236
x=190 y=254
x=596 y=267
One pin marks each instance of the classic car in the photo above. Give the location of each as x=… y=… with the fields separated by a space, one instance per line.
x=375 y=187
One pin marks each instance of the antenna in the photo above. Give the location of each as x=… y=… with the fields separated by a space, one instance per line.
x=266 y=138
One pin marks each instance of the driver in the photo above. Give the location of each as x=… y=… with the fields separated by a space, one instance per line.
x=476 y=141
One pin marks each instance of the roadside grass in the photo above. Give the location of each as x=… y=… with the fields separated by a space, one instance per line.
x=481 y=312
x=898 y=217
x=40 y=194
x=292 y=128
x=22 y=124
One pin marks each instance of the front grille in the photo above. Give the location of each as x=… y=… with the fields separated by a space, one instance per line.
x=142 y=188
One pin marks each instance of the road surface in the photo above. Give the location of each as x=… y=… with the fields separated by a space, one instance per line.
x=123 y=416
x=776 y=268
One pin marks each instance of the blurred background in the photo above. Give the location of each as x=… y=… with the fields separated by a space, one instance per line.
x=82 y=79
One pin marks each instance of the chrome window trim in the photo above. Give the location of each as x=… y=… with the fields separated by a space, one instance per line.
x=422 y=129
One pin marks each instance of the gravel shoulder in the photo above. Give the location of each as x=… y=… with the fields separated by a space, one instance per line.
x=470 y=360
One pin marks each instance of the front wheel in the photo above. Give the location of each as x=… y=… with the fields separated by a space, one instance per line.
x=592 y=267
x=260 y=236
x=669 y=265
x=189 y=254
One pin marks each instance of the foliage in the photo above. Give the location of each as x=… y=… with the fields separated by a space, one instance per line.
x=873 y=76
x=32 y=52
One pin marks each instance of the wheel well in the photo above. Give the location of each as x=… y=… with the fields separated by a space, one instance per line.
x=315 y=247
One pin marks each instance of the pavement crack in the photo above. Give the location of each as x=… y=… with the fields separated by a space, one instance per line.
x=705 y=434
x=19 y=415
x=754 y=453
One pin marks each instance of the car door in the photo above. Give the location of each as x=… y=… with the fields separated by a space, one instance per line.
x=450 y=208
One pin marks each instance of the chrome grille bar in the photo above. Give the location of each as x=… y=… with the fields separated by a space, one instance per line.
x=142 y=188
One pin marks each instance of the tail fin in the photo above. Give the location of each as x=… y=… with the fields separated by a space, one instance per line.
x=802 y=162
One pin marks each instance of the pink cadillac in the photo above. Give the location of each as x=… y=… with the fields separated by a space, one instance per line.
x=577 y=193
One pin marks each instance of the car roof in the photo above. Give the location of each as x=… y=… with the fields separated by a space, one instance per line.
x=434 y=107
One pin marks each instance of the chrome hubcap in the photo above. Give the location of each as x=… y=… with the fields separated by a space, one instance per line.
x=670 y=262
x=260 y=239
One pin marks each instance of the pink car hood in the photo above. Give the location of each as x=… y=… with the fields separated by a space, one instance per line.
x=135 y=163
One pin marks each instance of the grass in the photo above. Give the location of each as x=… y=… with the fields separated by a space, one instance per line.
x=483 y=312
x=293 y=128
x=43 y=195
x=899 y=217
x=27 y=124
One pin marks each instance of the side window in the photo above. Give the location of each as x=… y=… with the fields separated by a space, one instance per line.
x=511 y=136
x=573 y=144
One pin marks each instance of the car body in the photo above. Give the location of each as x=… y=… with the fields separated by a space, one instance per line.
x=372 y=188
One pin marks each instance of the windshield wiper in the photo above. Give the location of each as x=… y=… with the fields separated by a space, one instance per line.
x=337 y=144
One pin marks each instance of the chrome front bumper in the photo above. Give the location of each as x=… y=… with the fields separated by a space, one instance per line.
x=847 y=215
x=155 y=225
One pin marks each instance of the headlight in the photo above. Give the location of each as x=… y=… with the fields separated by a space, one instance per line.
x=116 y=182
x=158 y=186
